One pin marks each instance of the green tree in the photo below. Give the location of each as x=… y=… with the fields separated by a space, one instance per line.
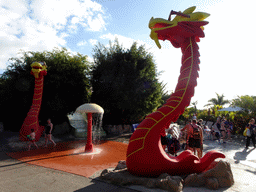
x=248 y=103
x=125 y=83
x=241 y=118
x=217 y=101
x=66 y=86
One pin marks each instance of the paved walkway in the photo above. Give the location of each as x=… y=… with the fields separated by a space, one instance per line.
x=18 y=176
x=25 y=175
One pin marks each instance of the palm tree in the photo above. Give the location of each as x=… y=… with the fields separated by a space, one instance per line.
x=194 y=105
x=218 y=101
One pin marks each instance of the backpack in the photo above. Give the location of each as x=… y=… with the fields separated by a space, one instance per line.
x=196 y=133
x=173 y=146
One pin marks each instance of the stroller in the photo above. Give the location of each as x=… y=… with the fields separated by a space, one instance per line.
x=173 y=146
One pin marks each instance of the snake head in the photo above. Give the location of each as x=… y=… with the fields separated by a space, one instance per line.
x=184 y=25
x=38 y=68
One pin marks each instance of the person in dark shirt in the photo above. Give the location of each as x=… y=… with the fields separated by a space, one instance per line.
x=48 y=133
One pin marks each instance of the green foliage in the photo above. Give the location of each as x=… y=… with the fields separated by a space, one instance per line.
x=248 y=103
x=125 y=83
x=241 y=118
x=66 y=86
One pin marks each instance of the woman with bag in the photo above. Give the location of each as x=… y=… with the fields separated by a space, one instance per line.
x=250 y=133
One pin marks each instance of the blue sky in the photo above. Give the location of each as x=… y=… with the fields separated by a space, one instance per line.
x=227 y=51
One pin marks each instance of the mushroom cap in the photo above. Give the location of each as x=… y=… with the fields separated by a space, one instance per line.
x=90 y=108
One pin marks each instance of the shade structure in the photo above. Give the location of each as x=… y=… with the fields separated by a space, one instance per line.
x=90 y=108
x=231 y=109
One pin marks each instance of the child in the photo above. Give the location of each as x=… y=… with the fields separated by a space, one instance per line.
x=32 y=137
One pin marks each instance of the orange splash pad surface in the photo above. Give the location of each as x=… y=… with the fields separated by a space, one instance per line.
x=70 y=157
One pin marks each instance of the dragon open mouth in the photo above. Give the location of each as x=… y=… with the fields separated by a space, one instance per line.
x=184 y=24
x=37 y=68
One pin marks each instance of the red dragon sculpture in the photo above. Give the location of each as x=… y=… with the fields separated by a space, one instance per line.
x=31 y=121
x=145 y=155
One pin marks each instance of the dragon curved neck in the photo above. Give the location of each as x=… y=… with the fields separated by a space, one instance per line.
x=37 y=97
x=38 y=90
x=184 y=90
x=177 y=102
x=31 y=120
x=187 y=79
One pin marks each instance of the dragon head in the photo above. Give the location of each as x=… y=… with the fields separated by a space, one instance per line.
x=184 y=25
x=38 y=69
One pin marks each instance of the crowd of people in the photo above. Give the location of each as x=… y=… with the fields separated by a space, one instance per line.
x=191 y=137
x=47 y=134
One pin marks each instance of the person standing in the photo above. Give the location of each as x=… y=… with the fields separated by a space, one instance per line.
x=218 y=122
x=48 y=133
x=195 y=138
x=184 y=135
x=229 y=129
x=251 y=126
x=223 y=130
x=203 y=128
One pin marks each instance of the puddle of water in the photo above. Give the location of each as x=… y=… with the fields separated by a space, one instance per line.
x=95 y=151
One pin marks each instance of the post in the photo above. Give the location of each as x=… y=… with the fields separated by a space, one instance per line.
x=88 y=147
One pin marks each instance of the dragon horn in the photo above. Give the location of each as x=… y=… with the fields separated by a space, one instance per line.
x=189 y=10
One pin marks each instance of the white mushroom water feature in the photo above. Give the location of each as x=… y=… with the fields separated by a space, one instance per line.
x=94 y=114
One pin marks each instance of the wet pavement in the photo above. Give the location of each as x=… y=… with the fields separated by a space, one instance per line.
x=70 y=157
x=67 y=168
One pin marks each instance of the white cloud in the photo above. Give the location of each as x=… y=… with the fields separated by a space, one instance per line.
x=93 y=41
x=57 y=12
x=42 y=25
x=82 y=43
x=96 y=23
x=75 y=20
x=19 y=6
